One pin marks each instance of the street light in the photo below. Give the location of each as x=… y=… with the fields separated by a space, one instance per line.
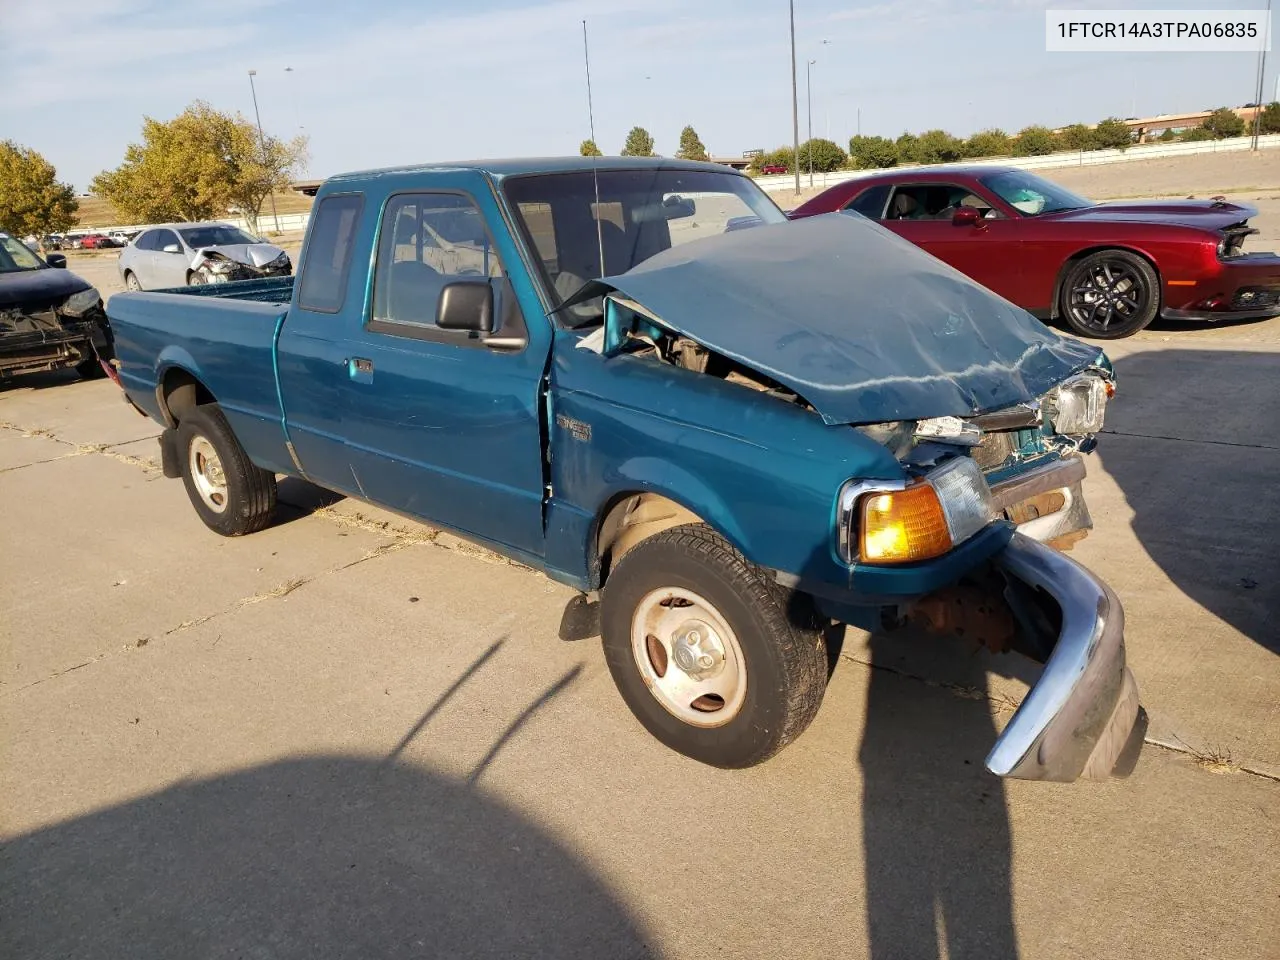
x=795 y=102
x=1262 y=71
x=808 y=96
x=262 y=141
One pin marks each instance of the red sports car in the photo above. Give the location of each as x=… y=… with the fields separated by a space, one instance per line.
x=1107 y=269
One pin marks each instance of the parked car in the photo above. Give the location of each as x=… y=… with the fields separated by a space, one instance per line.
x=771 y=168
x=187 y=254
x=49 y=317
x=121 y=238
x=732 y=437
x=96 y=241
x=1106 y=269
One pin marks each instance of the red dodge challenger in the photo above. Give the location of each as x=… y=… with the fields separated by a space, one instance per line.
x=1107 y=269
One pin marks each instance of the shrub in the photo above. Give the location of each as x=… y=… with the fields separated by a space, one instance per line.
x=1034 y=142
x=827 y=156
x=989 y=143
x=1223 y=123
x=1077 y=136
x=873 y=152
x=1112 y=133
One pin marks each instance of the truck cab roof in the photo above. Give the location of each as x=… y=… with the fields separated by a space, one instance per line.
x=499 y=169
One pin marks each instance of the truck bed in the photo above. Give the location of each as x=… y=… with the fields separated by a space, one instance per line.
x=264 y=290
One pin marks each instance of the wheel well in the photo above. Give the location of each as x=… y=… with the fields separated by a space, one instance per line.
x=181 y=393
x=634 y=517
x=1071 y=261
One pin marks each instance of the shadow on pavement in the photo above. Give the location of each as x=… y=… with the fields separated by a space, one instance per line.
x=1193 y=441
x=322 y=857
x=936 y=833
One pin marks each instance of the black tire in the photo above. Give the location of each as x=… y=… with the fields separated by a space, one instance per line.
x=778 y=635
x=249 y=493
x=1109 y=295
x=90 y=368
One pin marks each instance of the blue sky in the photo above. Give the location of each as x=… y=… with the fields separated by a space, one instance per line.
x=391 y=81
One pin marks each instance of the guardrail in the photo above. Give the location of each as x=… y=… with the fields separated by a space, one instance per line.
x=1074 y=158
x=266 y=225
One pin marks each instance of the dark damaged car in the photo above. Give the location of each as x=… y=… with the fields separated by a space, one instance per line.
x=729 y=438
x=49 y=317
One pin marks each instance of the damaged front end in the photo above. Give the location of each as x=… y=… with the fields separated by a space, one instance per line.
x=211 y=265
x=39 y=339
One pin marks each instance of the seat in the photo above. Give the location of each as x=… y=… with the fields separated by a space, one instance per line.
x=904 y=207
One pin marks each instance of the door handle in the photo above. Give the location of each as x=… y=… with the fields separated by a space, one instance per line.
x=360 y=370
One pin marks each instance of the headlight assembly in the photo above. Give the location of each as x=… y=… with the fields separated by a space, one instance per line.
x=903 y=523
x=1079 y=405
x=78 y=304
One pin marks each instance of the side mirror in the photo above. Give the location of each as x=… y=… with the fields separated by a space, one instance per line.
x=466 y=305
x=56 y=260
x=171 y=248
x=966 y=217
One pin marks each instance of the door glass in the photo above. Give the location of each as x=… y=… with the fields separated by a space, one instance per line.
x=166 y=237
x=425 y=242
x=935 y=201
x=870 y=202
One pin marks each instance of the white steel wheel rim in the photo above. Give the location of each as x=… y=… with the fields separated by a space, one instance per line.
x=207 y=474
x=132 y=282
x=689 y=657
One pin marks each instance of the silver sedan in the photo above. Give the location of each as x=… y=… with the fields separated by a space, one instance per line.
x=184 y=254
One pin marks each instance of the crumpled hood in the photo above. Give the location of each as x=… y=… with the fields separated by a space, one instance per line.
x=862 y=324
x=1205 y=214
x=38 y=288
x=251 y=254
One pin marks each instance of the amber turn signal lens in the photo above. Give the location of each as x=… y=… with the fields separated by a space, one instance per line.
x=903 y=526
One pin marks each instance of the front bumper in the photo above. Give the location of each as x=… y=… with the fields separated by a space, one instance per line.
x=1241 y=288
x=1082 y=718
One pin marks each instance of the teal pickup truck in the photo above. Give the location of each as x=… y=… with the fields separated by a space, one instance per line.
x=731 y=429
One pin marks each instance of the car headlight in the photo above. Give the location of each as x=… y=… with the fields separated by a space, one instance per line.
x=78 y=304
x=280 y=261
x=1079 y=405
x=219 y=266
x=886 y=524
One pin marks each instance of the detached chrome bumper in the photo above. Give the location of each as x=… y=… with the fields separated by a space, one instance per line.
x=1082 y=718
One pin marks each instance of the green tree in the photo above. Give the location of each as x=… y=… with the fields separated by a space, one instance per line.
x=873 y=152
x=691 y=147
x=588 y=148
x=1167 y=135
x=1077 y=136
x=989 y=143
x=1112 y=134
x=1224 y=122
x=199 y=165
x=938 y=146
x=1192 y=134
x=826 y=156
x=907 y=148
x=31 y=198
x=639 y=143
x=781 y=157
x=1034 y=142
x=1271 y=118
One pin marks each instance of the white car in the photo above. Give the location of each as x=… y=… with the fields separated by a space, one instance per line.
x=186 y=254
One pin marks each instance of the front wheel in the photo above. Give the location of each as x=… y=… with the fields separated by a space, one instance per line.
x=1109 y=295
x=131 y=282
x=231 y=494
x=713 y=658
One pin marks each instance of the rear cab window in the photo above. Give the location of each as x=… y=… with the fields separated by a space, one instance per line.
x=326 y=262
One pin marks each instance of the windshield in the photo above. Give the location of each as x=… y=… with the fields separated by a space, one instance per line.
x=14 y=256
x=1033 y=195
x=215 y=236
x=640 y=213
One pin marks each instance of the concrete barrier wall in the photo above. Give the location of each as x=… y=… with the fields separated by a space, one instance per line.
x=1080 y=158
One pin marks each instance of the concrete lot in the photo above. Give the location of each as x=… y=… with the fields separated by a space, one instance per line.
x=351 y=736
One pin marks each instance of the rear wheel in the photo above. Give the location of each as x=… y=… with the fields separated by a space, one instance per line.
x=1110 y=294
x=231 y=494
x=131 y=281
x=712 y=656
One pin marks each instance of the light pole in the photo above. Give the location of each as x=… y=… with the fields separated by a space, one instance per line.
x=1262 y=71
x=795 y=101
x=808 y=96
x=262 y=142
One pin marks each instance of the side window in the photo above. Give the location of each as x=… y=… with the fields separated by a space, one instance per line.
x=935 y=201
x=426 y=241
x=327 y=260
x=147 y=241
x=870 y=202
x=165 y=237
